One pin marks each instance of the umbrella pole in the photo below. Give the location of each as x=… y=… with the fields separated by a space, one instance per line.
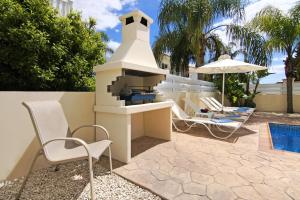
x=223 y=90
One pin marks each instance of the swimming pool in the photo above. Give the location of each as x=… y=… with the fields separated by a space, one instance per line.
x=285 y=137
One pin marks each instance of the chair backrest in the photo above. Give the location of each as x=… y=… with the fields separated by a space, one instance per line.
x=209 y=105
x=49 y=122
x=180 y=114
x=216 y=102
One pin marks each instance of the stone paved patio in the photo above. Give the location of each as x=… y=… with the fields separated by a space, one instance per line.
x=196 y=166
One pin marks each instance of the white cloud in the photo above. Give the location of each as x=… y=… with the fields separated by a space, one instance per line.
x=252 y=9
x=256 y=6
x=113 y=45
x=278 y=69
x=277 y=76
x=104 y=11
x=279 y=59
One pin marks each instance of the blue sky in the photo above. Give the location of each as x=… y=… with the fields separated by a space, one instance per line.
x=106 y=12
x=150 y=7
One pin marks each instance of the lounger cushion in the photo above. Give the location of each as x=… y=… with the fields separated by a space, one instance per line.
x=224 y=120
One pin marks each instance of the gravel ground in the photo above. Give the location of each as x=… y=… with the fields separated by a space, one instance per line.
x=71 y=182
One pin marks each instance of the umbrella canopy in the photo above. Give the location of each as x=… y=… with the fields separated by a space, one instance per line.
x=226 y=65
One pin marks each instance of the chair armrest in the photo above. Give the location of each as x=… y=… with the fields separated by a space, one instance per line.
x=95 y=126
x=83 y=143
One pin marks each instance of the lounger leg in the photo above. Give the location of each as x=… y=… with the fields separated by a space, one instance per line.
x=110 y=161
x=91 y=177
x=27 y=175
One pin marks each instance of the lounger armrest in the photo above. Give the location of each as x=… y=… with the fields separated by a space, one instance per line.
x=83 y=143
x=95 y=126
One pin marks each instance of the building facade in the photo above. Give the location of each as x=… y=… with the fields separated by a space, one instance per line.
x=64 y=7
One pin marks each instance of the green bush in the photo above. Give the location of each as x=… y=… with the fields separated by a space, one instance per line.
x=40 y=50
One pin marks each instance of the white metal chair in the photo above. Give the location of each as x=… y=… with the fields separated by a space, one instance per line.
x=53 y=132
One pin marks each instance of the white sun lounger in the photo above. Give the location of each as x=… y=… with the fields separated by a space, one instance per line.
x=230 y=109
x=180 y=115
x=196 y=110
x=53 y=132
x=216 y=108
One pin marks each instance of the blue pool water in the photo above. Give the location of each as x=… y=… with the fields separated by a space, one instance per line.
x=285 y=137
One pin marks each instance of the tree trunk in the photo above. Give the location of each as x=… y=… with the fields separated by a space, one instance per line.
x=289 y=95
x=256 y=86
x=247 y=84
x=200 y=62
x=289 y=73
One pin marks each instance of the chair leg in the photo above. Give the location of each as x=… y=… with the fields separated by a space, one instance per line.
x=110 y=161
x=27 y=175
x=54 y=168
x=91 y=177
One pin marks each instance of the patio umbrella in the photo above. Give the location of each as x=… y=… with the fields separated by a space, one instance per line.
x=226 y=65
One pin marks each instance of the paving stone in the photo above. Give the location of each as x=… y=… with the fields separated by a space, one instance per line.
x=246 y=192
x=247 y=163
x=293 y=192
x=250 y=174
x=219 y=192
x=168 y=189
x=270 y=193
x=190 y=197
x=254 y=158
x=168 y=152
x=131 y=166
x=165 y=165
x=142 y=177
x=230 y=180
x=202 y=178
x=226 y=169
x=203 y=168
x=147 y=164
x=180 y=161
x=194 y=188
x=234 y=156
x=181 y=175
x=160 y=175
x=270 y=172
x=229 y=162
x=294 y=175
x=279 y=184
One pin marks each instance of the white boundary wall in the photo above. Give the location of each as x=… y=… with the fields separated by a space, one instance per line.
x=278 y=88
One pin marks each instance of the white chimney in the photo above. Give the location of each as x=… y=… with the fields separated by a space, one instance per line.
x=135 y=47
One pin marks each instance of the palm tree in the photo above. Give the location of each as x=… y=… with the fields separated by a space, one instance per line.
x=283 y=33
x=253 y=47
x=187 y=29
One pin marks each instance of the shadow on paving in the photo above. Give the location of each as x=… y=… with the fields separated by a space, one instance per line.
x=144 y=143
x=200 y=131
